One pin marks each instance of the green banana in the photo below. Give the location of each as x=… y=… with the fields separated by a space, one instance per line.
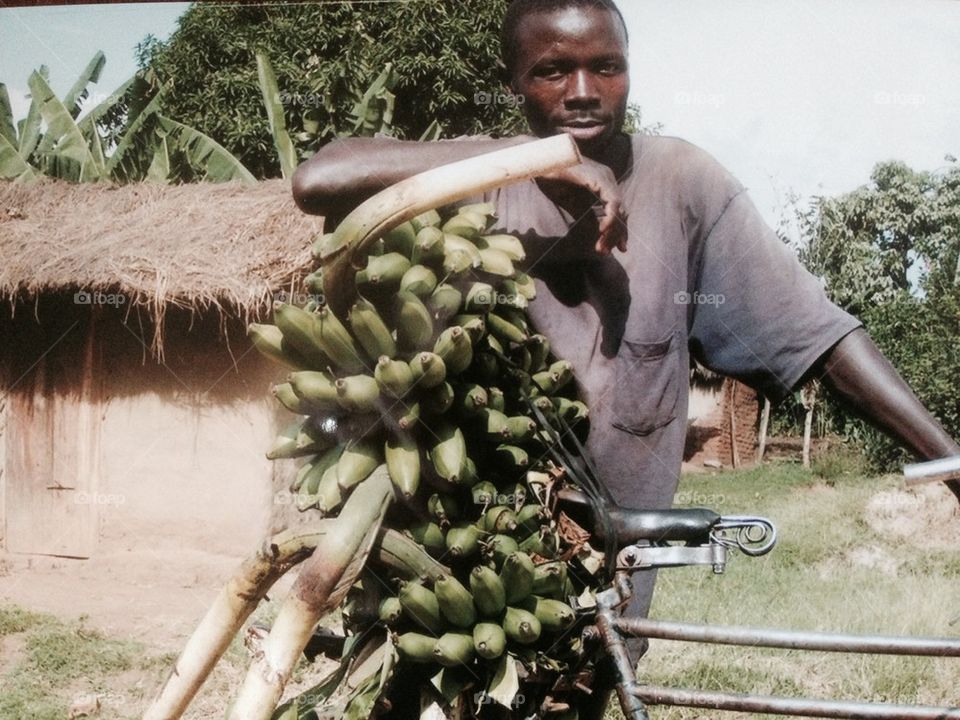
x=484 y=209
x=455 y=348
x=471 y=398
x=500 y=547
x=489 y=595
x=484 y=493
x=480 y=298
x=463 y=539
x=496 y=262
x=421 y=606
x=449 y=453
x=554 y=615
x=400 y=239
x=549 y=579
x=521 y=625
x=530 y=517
x=268 y=339
x=525 y=285
x=489 y=640
x=542 y=543
x=474 y=325
x=504 y=330
x=428 y=246
x=406 y=414
x=499 y=519
x=444 y=302
x=358 y=393
x=328 y=496
x=429 y=535
x=539 y=348
x=383 y=273
x=335 y=342
x=465 y=225
x=291 y=443
x=510 y=295
x=456 y=602
x=571 y=410
x=313 y=283
x=521 y=428
x=428 y=218
x=494 y=423
x=413 y=321
x=359 y=459
x=563 y=372
x=507 y=244
x=419 y=280
x=453 y=649
x=390 y=611
x=394 y=377
x=314 y=387
x=402 y=455
x=495 y=398
x=428 y=369
x=299 y=329
x=285 y=395
x=459 y=255
x=371 y=331
x=416 y=647
x=517 y=576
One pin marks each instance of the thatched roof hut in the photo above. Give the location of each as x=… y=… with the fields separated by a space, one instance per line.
x=226 y=248
x=132 y=402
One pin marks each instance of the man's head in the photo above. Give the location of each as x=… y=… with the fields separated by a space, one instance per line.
x=568 y=59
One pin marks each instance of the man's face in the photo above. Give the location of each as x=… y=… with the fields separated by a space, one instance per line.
x=571 y=69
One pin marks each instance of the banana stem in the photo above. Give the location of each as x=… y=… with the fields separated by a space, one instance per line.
x=236 y=601
x=324 y=580
x=425 y=191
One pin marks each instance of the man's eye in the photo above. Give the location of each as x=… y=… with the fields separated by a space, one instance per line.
x=548 y=73
x=610 y=68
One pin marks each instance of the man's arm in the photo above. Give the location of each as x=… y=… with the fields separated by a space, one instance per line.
x=346 y=172
x=857 y=371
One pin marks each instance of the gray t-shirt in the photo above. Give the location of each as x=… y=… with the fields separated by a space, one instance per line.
x=703 y=274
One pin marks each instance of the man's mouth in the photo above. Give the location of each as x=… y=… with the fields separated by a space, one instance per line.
x=584 y=128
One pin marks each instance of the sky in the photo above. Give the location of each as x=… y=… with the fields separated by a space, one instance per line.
x=797 y=96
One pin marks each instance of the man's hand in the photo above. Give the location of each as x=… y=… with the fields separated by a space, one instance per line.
x=591 y=187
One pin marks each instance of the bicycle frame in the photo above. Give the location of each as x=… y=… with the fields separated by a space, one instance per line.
x=634 y=696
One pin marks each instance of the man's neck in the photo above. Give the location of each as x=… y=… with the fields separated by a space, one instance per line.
x=614 y=154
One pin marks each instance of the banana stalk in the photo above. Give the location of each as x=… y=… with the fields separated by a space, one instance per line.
x=236 y=601
x=323 y=582
x=344 y=251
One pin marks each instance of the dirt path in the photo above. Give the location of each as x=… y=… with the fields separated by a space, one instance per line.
x=156 y=597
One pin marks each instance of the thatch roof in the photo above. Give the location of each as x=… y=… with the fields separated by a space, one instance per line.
x=224 y=247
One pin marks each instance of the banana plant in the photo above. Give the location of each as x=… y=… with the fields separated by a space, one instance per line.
x=51 y=141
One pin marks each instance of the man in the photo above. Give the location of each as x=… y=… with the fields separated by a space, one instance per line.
x=698 y=271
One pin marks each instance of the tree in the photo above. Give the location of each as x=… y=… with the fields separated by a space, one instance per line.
x=444 y=57
x=124 y=138
x=889 y=253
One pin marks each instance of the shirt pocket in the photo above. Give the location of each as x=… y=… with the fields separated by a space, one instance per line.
x=648 y=386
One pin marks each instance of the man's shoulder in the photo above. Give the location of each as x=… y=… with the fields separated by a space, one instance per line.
x=689 y=170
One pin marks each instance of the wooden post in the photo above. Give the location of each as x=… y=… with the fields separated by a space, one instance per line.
x=764 y=422
x=734 y=450
x=808 y=397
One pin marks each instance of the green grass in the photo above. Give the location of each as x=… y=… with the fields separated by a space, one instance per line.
x=819 y=577
x=59 y=662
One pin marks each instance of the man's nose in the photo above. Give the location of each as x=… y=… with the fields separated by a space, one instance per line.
x=582 y=89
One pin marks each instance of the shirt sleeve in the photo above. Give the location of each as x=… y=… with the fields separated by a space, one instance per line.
x=758 y=315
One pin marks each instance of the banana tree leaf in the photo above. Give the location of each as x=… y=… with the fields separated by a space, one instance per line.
x=12 y=166
x=278 y=127
x=7 y=128
x=506 y=683
x=134 y=151
x=30 y=126
x=63 y=145
x=78 y=93
x=204 y=153
x=91 y=118
x=373 y=112
x=159 y=170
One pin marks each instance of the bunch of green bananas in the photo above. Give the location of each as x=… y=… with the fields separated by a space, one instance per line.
x=436 y=373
